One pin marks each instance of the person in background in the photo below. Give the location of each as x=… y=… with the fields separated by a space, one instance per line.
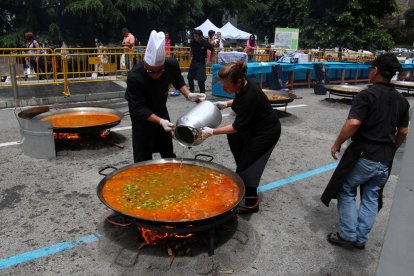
x=197 y=69
x=251 y=46
x=147 y=93
x=128 y=43
x=34 y=62
x=219 y=42
x=167 y=44
x=377 y=124
x=253 y=134
x=212 y=42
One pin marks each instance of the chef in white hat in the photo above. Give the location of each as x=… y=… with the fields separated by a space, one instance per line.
x=147 y=92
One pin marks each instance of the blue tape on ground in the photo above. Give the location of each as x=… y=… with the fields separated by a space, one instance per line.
x=295 y=178
x=47 y=250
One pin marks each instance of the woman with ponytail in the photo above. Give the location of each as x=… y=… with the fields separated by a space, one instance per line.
x=254 y=132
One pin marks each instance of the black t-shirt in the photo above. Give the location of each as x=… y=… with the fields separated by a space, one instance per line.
x=146 y=95
x=381 y=109
x=254 y=114
x=199 y=50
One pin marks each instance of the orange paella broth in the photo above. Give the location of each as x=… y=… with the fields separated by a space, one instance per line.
x=171 y=192
x=81 y=119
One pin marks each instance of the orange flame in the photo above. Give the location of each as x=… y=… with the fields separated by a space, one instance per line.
x=105 y=133
x=66 y=136
x=153 y=237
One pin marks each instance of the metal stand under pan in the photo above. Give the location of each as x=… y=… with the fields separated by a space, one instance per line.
x=124 y=221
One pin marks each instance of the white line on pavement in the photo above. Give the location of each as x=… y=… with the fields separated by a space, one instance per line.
x=10 y=144
x=121 y=128
x=279 y=108
x=292 y=106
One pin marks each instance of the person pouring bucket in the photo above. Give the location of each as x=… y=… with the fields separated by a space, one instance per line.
x=253 y=134
x=147 y=93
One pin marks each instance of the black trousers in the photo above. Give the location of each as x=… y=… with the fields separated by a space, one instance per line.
x=201 y=85
x=149 y=138
x=252 y=153
x=197 y=72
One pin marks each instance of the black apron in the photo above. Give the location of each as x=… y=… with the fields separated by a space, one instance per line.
x=345 y=166
x=149 y=138
x=197 y=71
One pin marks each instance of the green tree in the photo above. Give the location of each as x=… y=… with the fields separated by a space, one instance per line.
x=273 y=13
x=405 y=35
x=352 y=24
x=325 y=23
x=322 y=23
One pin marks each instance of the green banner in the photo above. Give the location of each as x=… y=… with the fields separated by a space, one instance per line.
x=287 y=38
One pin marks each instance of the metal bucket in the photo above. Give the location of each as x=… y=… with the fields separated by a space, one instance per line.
x=187 y=129
x=37 y=136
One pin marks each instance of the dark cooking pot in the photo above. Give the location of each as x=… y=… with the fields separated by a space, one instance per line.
x=148 y=223
x=83 y=111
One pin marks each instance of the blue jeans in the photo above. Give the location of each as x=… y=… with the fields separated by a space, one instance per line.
x=372 y=176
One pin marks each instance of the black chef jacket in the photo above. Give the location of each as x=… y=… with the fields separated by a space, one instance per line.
x=147 y=96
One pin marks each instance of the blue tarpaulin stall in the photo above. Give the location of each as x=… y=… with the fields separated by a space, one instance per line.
x=291 y=74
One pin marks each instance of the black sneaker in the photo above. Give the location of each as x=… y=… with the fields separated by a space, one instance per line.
x=335 y=239
x=359 y=246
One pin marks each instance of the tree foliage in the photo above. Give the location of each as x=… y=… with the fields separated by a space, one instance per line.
x=325 y=23
x=322 y=23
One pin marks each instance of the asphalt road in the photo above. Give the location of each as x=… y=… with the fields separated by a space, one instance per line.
x=53 y=222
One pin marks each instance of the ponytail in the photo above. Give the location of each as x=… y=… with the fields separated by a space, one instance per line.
x=233 y=72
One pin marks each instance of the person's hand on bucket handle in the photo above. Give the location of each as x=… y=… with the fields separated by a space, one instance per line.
x=167 y=125
x=221 y=105
x=196 y=97
x=206 y=132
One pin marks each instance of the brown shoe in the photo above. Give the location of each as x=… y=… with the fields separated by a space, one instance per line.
x=248 y=209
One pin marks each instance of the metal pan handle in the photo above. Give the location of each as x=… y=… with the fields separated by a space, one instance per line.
x=204 y=155
x=107 y=167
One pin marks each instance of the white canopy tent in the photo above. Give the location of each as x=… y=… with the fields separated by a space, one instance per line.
x=207 y=26
x=228 y=31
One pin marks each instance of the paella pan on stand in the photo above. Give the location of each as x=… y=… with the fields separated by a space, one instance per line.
x=172 y=194
x=81 y=119
x=345 y=90
x=408 y=85
x=279 y=99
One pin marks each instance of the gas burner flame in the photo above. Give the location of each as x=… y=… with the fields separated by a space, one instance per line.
x=77 y=136
x=105 y=133
x=153 y=237
x=66 y=136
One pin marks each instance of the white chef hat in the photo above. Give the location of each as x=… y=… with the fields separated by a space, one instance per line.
x=155 y=52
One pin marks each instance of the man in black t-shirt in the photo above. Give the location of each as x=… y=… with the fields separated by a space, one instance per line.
x=378 y=124
x=197 y=69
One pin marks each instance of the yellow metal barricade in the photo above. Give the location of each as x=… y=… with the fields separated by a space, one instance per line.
x=32 y=69
x=183 y=55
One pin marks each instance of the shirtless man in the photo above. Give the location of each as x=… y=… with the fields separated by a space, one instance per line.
x=128 y=42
